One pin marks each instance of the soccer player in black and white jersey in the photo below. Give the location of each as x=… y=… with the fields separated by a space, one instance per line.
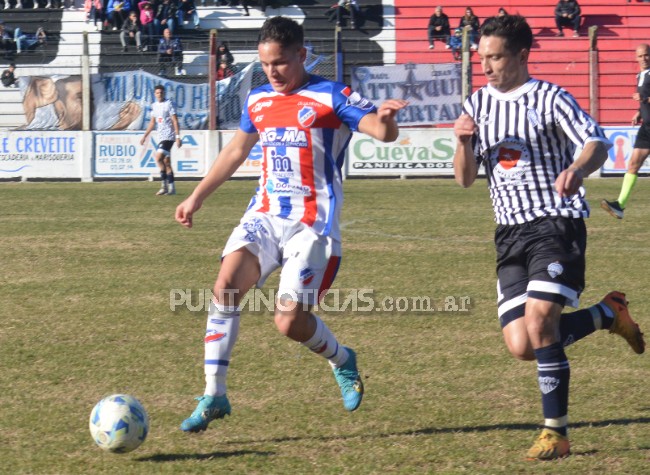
x=641 y=148
x=163 y=116
x=525 y=131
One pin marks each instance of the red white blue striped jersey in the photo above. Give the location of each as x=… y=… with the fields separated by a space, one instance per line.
x=304 y=135
x=525 y=139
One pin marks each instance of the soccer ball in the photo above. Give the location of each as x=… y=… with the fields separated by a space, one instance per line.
x=119 y=423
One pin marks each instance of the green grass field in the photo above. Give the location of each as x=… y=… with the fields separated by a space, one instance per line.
x=86 y=273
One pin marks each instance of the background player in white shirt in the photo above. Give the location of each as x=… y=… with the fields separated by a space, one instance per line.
x=163 y=116
x=304 y=124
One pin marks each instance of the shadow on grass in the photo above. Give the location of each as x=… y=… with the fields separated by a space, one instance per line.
x=452 y=430
x=211 y=455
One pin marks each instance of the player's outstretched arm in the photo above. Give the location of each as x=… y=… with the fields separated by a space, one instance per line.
x=382 y=125
x=591 y=158
x=226 y=164
x=465 y=167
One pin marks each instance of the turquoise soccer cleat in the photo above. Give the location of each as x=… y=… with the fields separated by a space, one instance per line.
x=208 y=409
x=349 y=380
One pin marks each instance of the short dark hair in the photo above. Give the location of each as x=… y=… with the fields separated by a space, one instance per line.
x=159 y=86
x=12 y=65
x=281 y=30
x=512 y=28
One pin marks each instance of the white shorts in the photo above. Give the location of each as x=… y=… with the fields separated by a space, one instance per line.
x=309 y=261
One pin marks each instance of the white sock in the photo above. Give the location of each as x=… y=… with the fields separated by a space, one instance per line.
x=597 y=311
x=220 y=336
x=324 y=343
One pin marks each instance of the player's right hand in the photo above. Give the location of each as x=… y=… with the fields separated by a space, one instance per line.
x=464 y=128
x=186 y=210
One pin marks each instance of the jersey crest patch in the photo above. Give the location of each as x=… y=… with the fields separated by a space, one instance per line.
x=510 y=159
x=307 y=116
x=533 y=117
x=306 y=275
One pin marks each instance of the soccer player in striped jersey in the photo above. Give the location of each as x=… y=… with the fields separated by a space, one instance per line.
x=525 y=131
x=641 y=148
x=304 y=124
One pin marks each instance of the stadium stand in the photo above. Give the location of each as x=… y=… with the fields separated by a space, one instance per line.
x=394 y=33
x=565 y=60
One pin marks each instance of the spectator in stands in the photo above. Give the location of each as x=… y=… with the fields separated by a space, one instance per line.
x=166 y=16
x=7 y=41
x=225 y=70
x=223 y=53
x=567 y=13
x=501 y=12
x=344 y=8
x=471 y=20
x=438 y=28
x=131 y=32
x=456 y=43
x=187 y=11
x=8 y=78
x=234 y=3
x=94 y=9
x=170 y=50
x=147 y=17
x=27 y=40
x=117 y=12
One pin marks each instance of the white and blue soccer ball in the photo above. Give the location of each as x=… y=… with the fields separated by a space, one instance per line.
x=119 y=423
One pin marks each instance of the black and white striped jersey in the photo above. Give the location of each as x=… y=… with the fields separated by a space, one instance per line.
x=525 y=139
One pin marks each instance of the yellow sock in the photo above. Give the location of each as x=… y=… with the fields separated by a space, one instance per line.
x=626 y=189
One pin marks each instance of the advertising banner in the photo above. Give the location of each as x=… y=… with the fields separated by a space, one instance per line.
x=40 y=154
x=122 y=101
x=622 y=139
x=415 y=152
x=433 y=90
x=51 y=102
x=252 y=166
x=119 y=154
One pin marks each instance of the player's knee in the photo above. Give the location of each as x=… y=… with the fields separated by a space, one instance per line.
x=522 y=351
x=291 y=319
x=519 y=345
x=225 y=292
x=285 y=322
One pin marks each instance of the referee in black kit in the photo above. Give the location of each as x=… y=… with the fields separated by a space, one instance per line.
x=525 y=132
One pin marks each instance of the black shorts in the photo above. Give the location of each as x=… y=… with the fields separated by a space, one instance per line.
x=165 y=146
x=543 y=259
x=643 y=137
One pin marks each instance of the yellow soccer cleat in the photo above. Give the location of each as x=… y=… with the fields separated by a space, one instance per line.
x=549 y=445
x=623 y=324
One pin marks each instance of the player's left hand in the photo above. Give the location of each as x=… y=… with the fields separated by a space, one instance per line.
x=569 y=181
x=179 y=142
x=186 y=210
x=390 y=108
